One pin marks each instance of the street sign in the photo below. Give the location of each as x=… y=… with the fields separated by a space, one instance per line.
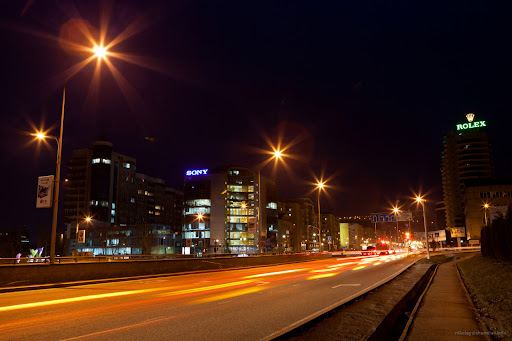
x=382 y=218
x=44 y=191
x=404 y=216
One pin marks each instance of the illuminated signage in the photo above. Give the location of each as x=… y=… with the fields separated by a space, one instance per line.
x=197 y=172
x=471 y=124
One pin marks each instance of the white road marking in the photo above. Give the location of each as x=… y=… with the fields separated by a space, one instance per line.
x=346 y=285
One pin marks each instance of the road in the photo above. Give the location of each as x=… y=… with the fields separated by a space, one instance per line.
x=246 y=304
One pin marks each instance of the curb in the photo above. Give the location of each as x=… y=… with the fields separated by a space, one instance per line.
x=481 y=322
x=392 y=327
x=305 y=322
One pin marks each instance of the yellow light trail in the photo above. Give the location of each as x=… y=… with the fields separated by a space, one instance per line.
x=229 y=295
x=359 y=267
x=211 y=287
x=274 y=273
x=74 y=299
x=337 y=265
x=321 y=276
x=377 y=263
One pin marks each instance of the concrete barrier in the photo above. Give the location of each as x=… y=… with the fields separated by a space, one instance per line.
x=37 y=274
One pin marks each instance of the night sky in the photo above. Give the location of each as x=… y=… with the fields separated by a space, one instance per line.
x=367 y=88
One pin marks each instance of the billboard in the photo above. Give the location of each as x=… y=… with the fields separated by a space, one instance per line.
x=81 y=236
x=457 y=232
x=44 y=191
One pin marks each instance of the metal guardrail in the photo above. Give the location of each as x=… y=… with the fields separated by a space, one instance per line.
x=120 y=258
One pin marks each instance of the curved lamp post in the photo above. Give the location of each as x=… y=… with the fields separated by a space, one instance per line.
x=98 y=52
x=422 y=201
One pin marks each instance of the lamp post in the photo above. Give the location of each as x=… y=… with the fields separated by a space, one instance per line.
x=98 y=52
x=486 y=207
x=422 y=201
x=87 y=219
x=275 y=155
x=396 y=211
x=320 y=185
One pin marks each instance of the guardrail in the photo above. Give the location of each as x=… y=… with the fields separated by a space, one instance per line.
x=120 y=258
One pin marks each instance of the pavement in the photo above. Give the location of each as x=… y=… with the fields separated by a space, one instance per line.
x=446 y=311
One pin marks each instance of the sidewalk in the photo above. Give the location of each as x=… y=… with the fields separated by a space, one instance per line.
x=445 y=312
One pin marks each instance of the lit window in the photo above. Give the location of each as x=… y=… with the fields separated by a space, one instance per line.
x=106 y=161
x=104 y=203
x=112 y=220
x=157 y=207
x=132 y=200
x=126 y=165
x=96 y=160
x=139 y=191
x=113 y=205
x=113 y=212
x=157 y=213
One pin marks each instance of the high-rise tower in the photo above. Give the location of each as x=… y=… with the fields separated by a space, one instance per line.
x=467 y=156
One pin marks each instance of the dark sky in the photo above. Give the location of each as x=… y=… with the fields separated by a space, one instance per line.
x=368 y=87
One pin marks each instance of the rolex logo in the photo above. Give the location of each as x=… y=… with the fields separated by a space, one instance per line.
x=470 y=117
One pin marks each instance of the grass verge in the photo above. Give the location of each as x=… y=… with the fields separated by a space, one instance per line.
x=439 y=259
x=490 y=285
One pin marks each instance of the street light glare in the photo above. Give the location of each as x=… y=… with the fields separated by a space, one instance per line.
x=320 y=184
x=419 y=199
x=40 y=135
x=99 y=51
x=277 y=154
x=395 y=209
x=88 y=219
x=486 y=205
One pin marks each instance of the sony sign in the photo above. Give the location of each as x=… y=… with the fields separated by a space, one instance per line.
x=470 y=125
x=197 y=172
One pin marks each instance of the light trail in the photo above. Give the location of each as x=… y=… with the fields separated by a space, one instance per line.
x=274 y=273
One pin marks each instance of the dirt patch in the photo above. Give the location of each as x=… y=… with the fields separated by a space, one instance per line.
x=489 y=283
x=360 y=318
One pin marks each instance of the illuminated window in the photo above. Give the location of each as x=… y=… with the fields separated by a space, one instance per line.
x=113 y=205
x=272 y=205
x=132 y=200
x=106 y=161
x=157 y=207
x=140 y=191
x=104 y=203
x=157 y=213
x=96 y=160
x=126 y=165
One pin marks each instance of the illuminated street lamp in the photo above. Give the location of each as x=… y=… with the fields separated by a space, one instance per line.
x=422 y=201
x=98 y=52
x=87 y=220
x=486 y=207
x=320 y=185
x=395 y=212
x=276 y=154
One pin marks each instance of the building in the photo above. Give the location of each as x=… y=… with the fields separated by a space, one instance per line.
x=330 y=232
x=103 y=184
x=304 y=229
x=497 y=195
x=100 y=183
x=221 y=211
x=467 y=155
x=351 y=236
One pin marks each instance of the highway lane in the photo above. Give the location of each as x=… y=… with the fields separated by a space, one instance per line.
x=251 y=304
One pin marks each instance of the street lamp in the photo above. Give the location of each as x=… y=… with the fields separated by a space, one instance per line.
x=422 y=201
x=320 y=185
x=88 y=220
x=396 y=211
x=486 y=207
x=276 y=154
x=99 y=52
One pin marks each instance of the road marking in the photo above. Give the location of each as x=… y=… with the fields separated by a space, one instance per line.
x=346 y=285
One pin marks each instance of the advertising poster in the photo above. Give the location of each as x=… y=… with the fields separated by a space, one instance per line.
x=44 y=191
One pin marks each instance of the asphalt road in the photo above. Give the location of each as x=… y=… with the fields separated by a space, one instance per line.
x=246 y=304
